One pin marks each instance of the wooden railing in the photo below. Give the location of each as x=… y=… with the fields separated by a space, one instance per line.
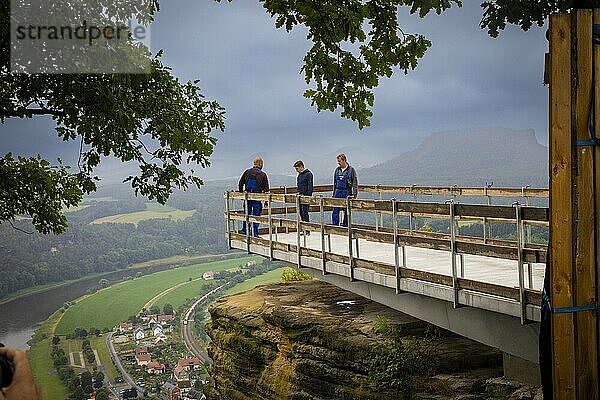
x=281 y=214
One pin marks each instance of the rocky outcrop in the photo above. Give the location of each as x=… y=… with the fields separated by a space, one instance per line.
x=309 y=340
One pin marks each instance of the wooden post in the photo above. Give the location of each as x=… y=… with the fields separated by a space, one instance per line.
x=586 y=368
x=573 y=205
x=561 y=206
x=596 y=173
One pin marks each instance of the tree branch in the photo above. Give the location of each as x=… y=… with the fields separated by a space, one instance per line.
x=30 y=112
x=19 y=229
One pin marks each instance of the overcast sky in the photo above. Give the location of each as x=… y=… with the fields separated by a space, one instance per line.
x=466 y=79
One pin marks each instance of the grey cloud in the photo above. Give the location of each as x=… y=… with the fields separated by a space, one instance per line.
x=466 y=79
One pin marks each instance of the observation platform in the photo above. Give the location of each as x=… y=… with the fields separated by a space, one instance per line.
x=481 y=287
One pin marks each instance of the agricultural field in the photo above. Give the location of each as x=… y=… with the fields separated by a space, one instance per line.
x=74 y=208
x=115 y=304
x=153 y=210
x=264 y=279
x=180 y=259
x=44 y=373
x=177 y=297
x=99 y=343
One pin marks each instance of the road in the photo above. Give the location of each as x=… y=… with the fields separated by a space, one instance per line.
x=190 y=343
x=120 y=367
x=186 y=328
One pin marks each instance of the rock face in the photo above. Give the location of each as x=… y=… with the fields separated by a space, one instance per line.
x=309 y=340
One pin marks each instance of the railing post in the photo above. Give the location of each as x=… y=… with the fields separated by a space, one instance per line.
x=285 y=207
x=522 y=301
x=484 y=218
x=298 y=229
x=489 y=202
x=380 y=198
x=323 y=255
x=453 y=253
x=350 y=255
x=270 y=228
x=396 y=250
x=228 y=217
x=248 y=228
x=410 y=215
x=376 y=213
x=527 y=239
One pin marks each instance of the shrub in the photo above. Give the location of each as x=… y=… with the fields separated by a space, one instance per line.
x=291 y=275
x=398 y=362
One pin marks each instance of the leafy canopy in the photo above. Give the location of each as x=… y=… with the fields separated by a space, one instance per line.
x=161 y=124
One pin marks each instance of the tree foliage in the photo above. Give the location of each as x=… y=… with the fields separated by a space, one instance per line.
x=398 y=363
x=168 y=309
x=151 y=119
x=524 y=13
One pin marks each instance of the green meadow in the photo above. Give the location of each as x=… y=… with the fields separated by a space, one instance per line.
x=99 y=343
x=177 y=297
x=110 y=306
x=44 y=372
x=153 y=210
x=264 y=279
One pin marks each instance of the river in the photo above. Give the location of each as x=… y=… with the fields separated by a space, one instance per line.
x=19 y=317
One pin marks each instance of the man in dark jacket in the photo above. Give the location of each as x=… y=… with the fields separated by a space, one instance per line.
x=345 y=184
x=254 y=180
x=304 y=183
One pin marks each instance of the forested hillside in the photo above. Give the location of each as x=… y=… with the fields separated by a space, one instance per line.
x=28 y=260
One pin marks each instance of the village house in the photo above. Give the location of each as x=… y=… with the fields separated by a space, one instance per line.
x=208 y=275
x=157 y=330
x=142 y=357
x=125 y=327
x=154 y=367
x=190 y=364
x=165 y=318
x=180 y=373
x=184 y=386
x=152 y=320
x=195 y=395
x=162 y=339
x=170 y=391
x=138 y=333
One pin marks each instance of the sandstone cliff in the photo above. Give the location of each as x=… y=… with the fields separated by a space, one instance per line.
x=310 y=340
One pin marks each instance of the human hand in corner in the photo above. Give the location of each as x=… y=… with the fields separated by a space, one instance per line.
x=23 y=386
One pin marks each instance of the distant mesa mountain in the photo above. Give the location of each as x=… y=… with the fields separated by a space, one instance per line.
x=471 y=157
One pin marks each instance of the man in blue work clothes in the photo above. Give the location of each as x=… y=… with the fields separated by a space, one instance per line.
x=254 y=180
x=345 y=184
x=304 y=183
